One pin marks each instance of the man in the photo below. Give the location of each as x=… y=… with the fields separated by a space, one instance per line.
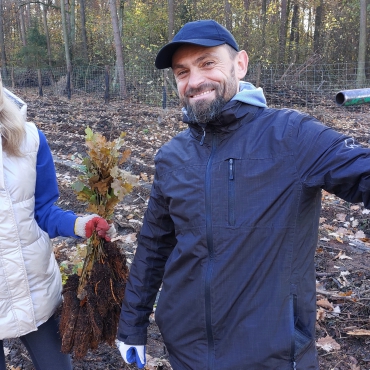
x=232 y=222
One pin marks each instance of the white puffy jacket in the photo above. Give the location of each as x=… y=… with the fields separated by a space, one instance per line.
x=30 y=281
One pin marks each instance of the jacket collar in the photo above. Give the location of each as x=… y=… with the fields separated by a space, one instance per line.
x=233 y=115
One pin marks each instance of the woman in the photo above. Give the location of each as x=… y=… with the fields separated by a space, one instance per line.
x=30 y=281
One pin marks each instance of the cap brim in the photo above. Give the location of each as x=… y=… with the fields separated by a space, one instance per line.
x=164 y=56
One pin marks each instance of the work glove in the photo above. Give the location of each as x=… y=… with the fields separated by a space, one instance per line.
x=131 y=353
x=86 y=225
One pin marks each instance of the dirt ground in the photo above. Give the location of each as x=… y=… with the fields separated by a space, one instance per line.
x=342 y=257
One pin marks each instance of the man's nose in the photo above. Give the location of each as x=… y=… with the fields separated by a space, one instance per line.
x=196 y=78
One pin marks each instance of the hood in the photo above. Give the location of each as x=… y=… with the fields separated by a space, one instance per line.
x=248 y=94
x=251 y=95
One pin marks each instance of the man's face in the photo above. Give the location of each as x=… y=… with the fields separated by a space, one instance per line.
x=206 y=80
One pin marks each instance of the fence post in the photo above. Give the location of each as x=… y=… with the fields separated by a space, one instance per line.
x=68 y=87
x=12 y=77
x=164 y=90
x=106 y=93
x=40 y=82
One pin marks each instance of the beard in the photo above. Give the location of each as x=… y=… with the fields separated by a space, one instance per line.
x=204 y=111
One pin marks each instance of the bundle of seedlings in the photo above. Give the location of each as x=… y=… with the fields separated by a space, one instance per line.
x=92 y=298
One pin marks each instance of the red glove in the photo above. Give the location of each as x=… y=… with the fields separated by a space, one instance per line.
x=86 y=225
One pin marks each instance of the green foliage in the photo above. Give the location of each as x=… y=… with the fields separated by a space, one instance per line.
x=63 y=267
x=34 y=54
x=145 y=31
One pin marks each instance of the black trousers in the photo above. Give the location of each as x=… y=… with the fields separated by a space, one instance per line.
x=43 y=346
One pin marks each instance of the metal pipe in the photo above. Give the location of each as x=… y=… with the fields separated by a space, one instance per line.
x=353 y=97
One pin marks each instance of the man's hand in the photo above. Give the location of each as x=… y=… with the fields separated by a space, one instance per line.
x=131 y=353
x=86 y=225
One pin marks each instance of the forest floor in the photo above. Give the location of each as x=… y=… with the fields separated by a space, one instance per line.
x=342 y=256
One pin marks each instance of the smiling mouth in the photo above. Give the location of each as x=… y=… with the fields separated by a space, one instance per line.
x=201 y=94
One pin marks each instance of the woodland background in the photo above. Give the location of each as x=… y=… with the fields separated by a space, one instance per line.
x=99 y=46
x=301 y=52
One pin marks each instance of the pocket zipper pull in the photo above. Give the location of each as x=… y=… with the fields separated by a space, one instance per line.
x=231 y=169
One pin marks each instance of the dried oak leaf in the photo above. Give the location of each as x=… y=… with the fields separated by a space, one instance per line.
x=328 y=344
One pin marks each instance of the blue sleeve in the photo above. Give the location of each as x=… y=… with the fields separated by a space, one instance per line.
x=50 y=218
x=332 y=161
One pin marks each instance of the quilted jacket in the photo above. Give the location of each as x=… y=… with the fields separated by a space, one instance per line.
x=30 y=281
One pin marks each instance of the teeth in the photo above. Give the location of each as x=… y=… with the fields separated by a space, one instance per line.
x=203 y=93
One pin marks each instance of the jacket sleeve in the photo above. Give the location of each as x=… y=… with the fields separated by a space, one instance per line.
x=155 y=243
x=332 y=161
x=49 y=217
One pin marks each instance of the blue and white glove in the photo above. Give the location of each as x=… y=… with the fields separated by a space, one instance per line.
x=131 y=353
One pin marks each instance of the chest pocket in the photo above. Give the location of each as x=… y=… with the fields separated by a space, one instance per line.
x=231 y=192
x=255 y=192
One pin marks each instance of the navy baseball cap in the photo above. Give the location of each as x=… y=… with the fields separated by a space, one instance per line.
x=204 y=33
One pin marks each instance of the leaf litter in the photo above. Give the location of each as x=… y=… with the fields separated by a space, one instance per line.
x=342 y=257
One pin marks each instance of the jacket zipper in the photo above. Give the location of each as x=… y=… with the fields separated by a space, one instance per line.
x=293 y=347
x=209 y=239
x=231 y=190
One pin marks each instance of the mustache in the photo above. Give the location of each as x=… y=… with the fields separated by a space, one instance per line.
x=197 y=90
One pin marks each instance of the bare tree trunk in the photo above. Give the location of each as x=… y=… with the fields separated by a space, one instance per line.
x=228 y=16
x=317 y=42
x=118 y=47
x=361 y=77
x=83 y=30
x=65 y=36
x=73 y=23
x=171 y=17
x=67 y=13
x=2 y=43
x=46 y=30
x=28 y=13
x=22 y=23
x=294 y=34
x=264 y=23
x=283 y=31
x=121 y=13
x=246 y=24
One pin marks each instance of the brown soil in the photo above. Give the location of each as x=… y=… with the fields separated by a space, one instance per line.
x=342 y=258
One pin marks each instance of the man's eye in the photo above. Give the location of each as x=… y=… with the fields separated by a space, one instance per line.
x=180 y=73
x=209 y=63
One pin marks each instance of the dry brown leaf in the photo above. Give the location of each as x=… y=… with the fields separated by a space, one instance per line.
x=341 y=255
x=359 y=332
x=328 y=227
x=342 y=231
x=324 y=303
x=320 y=314
x=144 y=176
x=328 y=344
x=360 y=235
x=341 y=217
x=365 y=240
x=345 y=294
x=129 y=238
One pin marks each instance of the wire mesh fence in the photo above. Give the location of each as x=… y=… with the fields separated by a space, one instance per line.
x=308 y=85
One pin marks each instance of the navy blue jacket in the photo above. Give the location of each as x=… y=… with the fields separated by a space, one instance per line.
x=231 y=230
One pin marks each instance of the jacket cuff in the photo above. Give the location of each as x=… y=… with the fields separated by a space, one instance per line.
x=137 y=339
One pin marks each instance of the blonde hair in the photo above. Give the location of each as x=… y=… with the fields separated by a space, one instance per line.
x=12 y=129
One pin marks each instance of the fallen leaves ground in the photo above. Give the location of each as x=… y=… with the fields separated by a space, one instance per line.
x=342 y=257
